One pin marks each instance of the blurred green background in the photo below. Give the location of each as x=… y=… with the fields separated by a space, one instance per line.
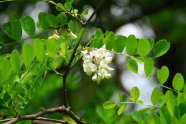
x=158 y=19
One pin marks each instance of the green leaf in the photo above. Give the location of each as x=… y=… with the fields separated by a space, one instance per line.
x=5 y=69
x=183 y=119
x=165 y=117
x=119 y=96
x=27 y=54
x=62 y=18
x=163 y=74
x=119 y=43
x=178 y=82
x=15 y=61
x=73 y=26
x=160 y=48
x=51 y=20
x=153 y=119
x=39 y=49
x=61 y=5
x=109 y=105
x=131 y=45
x=13 y=30
x=42 y=23
x=132 y=65
x=108 y=36
x=151 y=42
x=99 y=33
x=97 y=42
x=122 y=109
x=149 y=66
x=170 y=101
x=143 y=47
x=135 y=93
x=28 y=25
x=110 y=43
x=85 y=12
x=68 y=5
x=156 y=94
x=6 y=97
x=51 y=47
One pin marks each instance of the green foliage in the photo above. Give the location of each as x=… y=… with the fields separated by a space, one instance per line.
x=62 y=18
x=20 y=84
x=149 y=66
x=39 y=49
x=163 y=74
x=15 y=61
x=73 y=26
x=85 y=12
x=51 y=20
x=119 y=43
x=109 y=104
x=51 y=47
x=42 y=23
x=27 y=54
x=178 y=82
x=144 y=47
x=28 y=25
x=160 y=48
x=135 y=93
x=121 y=109
x=156 y=94
x=170 y=102
x=132 y=65
x=97 y=39
x=13 y=30
x=131 y=45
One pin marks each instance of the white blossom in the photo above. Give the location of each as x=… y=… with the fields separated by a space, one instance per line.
x=55 y=37
x=96 y=62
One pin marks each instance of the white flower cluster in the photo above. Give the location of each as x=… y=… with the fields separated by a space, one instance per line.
x=96 y=62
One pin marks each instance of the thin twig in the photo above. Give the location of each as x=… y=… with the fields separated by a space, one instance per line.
x=53 y=120
x=37 y=116
x=89 y=19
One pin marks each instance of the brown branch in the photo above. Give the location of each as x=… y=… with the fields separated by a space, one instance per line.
x=37 y=116
x=89 y=19
x=53 y=120
x=74 y=52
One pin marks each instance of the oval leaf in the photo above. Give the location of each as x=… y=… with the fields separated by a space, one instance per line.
x=170 y=101
x=156 y=94
x=163 y=74
x=135 y=93
x=131 y=45
x=42 y=23
x=144 y=47
x=27 y=54
x=39 y=49
x=51 y=47
x=178 y=82
x=15 y=61
x=149 y=66
x=51 y=20
x=132 y=65
x=62 y=18
x=109 y=104
x=28 y=25
x=160 y=48
x=122 y=109
x=119 y=43
x=13 y=30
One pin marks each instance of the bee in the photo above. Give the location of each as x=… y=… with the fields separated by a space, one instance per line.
x=93 y=59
